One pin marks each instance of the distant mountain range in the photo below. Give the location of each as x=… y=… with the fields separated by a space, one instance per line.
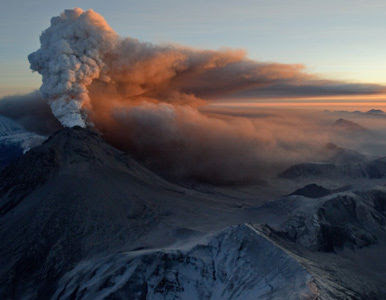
x=341 y=163
x=376 y=113
x=372 y=169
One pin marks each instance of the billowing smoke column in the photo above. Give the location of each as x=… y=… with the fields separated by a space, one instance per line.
x=80 y=53
x=145 y=99
x=70 y=58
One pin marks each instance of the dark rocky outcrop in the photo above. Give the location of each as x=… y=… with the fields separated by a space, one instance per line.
x=312 y=191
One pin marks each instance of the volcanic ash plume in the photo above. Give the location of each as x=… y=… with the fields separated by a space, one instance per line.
x=147 y=99
x=80 y=53
x=70 y=58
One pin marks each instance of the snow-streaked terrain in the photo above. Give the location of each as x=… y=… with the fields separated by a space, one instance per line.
x=340 y=239
x=80 y=219
x=235 y=263
x=15 y=140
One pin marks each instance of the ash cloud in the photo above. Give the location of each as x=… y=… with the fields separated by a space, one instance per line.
x=181 y=142
x=80 y=52
x=147 y=99
x=31 y=111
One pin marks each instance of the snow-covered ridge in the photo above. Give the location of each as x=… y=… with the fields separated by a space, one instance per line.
x=9 y=127
x=339 y=238
x=15 y=140
x=13 y=133
x=235 y=263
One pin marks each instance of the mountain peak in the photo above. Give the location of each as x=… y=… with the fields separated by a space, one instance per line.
x=72 y=136
x=76 y=145
x=375 y=111
x=68 y=150
x=348 y=125
x=72 y=196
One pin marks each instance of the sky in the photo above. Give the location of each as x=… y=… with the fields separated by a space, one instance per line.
x=338 y=39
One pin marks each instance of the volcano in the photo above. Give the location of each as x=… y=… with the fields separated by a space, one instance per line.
x=75 y=206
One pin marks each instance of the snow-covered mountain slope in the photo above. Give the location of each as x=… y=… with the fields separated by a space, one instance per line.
x=72 y=197
x=235 y=263
x=75 y=199
x=15 y=140
x=9 y=127
x=79 y=219
x=340 y=239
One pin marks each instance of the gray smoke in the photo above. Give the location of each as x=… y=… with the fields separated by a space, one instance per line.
x=69 y=59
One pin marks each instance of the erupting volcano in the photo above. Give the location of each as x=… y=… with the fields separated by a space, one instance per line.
x=161 y=171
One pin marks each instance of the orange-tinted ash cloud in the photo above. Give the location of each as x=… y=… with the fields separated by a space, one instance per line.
x=145 y=99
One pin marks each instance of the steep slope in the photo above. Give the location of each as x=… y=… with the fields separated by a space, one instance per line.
x=340 y=239
x=75 y=202
x=55 y=202
x=69 y=198
x=235 y=263
x=79 y=219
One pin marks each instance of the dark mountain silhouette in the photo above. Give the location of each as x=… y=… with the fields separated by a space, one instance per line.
x=67 y=199
x=312 y=191
x=375 y=111
x=75 y=206
x=80 y=219
x=342 y=163
x=348 y=126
